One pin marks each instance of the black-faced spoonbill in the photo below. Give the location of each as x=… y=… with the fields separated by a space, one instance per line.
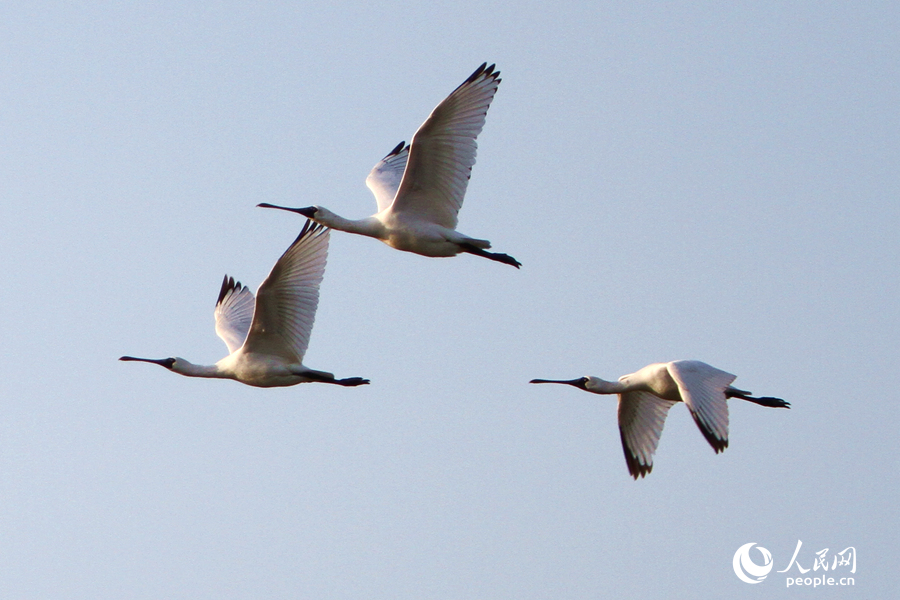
x=267 y=337
x=646 y=396
x=420 y=188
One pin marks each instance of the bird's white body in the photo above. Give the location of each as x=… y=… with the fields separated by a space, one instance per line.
x=403 y=231
x=252 y=368
x=267 y=336
x=655 y=378
x=646 y=396
x=420 y=188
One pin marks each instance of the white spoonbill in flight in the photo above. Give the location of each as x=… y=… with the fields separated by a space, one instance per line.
x=646 y=396
x=419 y=188
x=268 y=336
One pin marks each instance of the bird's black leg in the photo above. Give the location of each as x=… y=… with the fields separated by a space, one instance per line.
x=497 y=256
x=329 y=378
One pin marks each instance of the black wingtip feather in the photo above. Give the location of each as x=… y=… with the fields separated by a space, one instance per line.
x=635 y=468
x=228 y=284
x=476 y=73
x=397 y=150
x=310 y=228
x=484 y=70
x=306 y=227
x=717 y=444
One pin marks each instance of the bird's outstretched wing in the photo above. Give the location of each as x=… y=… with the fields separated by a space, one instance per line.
x=702 y=388
x=442 y=151
x=384 y=179
x=234 y=312
x=642 y=416
x=286 y=301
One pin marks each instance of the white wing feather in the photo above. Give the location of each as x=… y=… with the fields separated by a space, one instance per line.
x=234 y=312
x=642 y=416
x=384 y=179
x=702 y=388
x=443 y=151
x=286 y=301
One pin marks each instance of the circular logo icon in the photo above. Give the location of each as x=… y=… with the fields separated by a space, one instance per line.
x=747 y=570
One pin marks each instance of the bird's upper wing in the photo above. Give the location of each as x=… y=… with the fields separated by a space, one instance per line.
x=384 y=179
x=286 y=301
x=642 y=416
x=442 y=151
x=702 y=388
x=234 y=311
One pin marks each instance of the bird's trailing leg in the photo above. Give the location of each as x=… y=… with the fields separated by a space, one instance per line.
x=769 y=401
x=497 y=256
x=323 y=377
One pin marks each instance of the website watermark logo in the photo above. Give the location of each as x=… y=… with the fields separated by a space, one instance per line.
x=833 y=569
x=747 y=570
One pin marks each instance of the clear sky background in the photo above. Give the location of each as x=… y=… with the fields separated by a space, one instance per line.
x=688 y=180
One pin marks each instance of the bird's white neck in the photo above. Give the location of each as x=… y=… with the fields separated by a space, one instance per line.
x=183 y=367
x=370 y=226
x=601 y=386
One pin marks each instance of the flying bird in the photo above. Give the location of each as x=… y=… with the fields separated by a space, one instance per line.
x=420 y=187
x=268 y=336
x=646 y=396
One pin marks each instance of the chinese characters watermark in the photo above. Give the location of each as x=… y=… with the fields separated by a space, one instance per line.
x=749 y=571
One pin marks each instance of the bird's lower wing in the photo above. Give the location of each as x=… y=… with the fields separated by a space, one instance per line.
x=641 y=419
x=702 y=388
x=286 y=301
x=234 y=313
x=384 y=179
x=443 y=149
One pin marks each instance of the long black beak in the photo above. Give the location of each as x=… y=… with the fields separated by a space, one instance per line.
x=163 y=362
x=308 y=212
x=579 y=383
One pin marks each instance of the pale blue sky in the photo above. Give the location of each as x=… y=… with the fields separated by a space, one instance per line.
x=695 y=180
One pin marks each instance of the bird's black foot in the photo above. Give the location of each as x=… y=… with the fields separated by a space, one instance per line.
x=351 y=381
x=771 y=402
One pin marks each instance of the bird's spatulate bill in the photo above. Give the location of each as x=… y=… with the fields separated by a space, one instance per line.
x=307 y=212
x=576 y=382
x=163 y=362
